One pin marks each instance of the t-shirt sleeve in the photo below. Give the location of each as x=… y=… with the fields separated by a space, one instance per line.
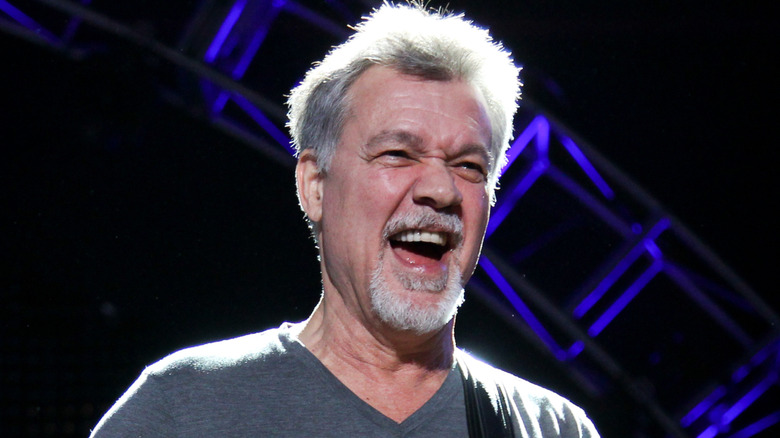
x=575 y=423
x=141 y=412
x=536 y=412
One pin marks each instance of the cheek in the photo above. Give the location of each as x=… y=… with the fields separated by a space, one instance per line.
x=477 y=209
x=382 y=196
x=477 y=201
x=362 y=203
x=389 y=185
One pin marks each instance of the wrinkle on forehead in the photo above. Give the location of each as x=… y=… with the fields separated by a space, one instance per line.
x=420 y=114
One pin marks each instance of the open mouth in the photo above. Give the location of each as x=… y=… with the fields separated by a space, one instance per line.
x=421 y=247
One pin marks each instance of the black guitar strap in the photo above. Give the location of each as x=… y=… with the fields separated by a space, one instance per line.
x=486 y=416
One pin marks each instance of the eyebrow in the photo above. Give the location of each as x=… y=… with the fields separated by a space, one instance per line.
x=478 y=149
x=395 y=137
x=413 y=141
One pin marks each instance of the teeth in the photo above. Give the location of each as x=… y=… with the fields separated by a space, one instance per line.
x=422 y=236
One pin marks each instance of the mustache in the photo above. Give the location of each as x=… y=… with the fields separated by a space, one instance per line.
x=425 y=218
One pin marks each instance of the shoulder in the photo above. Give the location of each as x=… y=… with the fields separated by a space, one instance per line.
x=488 y=374
x=534 y=407
x=223 y=355
x=195 y=384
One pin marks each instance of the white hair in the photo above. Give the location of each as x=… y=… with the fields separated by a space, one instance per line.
x=411 y=39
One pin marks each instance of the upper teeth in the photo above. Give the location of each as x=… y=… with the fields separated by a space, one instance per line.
x=422 y=236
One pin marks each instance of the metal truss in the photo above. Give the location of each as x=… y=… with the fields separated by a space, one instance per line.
x=611 y=284
x=577 y=257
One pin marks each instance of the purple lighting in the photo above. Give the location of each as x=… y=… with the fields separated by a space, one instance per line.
x=26 y=21
x=758 y=426
x=521 y=308
x=748 y=399
x=539 y=129
x=607 y=282
x=740 y=373
x=594 y=176
x=576 y=348
x=257 y=40
x=737 y=408
x=73 y=25
x=703 y=406
x=224 y=30
x=624 y=299
x=721 y=415
x=517 y=192
x=709 y=432
x=653 y=249
x=759 y=358
x=610 y=279
x=262 y=27
x=539 y=126
x=264 y=122
x=220 y=102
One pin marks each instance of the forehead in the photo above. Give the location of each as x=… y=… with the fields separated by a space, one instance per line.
x=437 y=112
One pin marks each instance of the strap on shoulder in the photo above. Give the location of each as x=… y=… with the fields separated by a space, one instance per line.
x=487 y=405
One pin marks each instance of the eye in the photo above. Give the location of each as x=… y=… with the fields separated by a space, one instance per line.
x=472 y=166
x=472 y=171
x=394 y=157
x=395 y=153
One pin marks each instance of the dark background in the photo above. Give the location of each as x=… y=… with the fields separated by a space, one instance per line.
x=131 y=228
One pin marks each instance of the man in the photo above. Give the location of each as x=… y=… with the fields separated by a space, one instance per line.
x=400 y=133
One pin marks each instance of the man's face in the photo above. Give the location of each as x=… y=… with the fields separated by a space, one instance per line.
x=405 y=201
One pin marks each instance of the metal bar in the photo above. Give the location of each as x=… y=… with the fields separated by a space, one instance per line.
x=653 y=205
x=597 y=206
x=336 y=29
x=592 y=348
x=707 y=304
x=587 y=167
x=475 y=288
x=522 y=309
x=515 y=193
x=224 y=30
x=621 y=266
x=758 y=426
x=265 y=124
x=625 y=298
x=173 y=56
x=521 y=142
x=24 y=20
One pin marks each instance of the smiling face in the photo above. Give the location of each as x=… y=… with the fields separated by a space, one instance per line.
x=402 y=210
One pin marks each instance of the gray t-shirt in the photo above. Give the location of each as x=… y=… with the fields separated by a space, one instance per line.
x=269 y=384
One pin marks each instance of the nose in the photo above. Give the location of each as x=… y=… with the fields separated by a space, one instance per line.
x=436 y=188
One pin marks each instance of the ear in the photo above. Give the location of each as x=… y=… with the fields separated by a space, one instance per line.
x=308 y=179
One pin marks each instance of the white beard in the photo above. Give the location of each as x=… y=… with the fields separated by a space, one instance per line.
x=399 y=310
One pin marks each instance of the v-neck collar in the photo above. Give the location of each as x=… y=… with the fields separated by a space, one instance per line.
x=450 y=388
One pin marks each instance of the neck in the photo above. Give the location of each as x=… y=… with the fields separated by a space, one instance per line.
x=394 y=371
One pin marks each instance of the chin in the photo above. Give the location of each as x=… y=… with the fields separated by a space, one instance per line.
x=413 y=303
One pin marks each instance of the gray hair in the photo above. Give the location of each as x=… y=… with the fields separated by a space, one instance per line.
x=431 y=44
